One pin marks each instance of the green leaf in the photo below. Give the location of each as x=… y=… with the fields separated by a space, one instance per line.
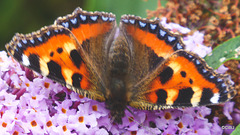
x=224 y=52
x=236 y=131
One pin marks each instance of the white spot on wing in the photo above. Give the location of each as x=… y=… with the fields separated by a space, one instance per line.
x=67 y=73
x=215 y=98
x=175 y=66
x=171 y=97
x=45 y=58
x=44 y=67
x=196 y=96
x=25 y=60
x=69 y=47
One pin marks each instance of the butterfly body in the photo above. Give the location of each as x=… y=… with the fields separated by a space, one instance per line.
x=140 y=63
x=118 y=70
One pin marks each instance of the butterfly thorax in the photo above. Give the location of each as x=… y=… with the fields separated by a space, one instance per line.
x=118 y=59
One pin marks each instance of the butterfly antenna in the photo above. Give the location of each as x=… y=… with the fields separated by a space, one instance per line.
x=130 y=111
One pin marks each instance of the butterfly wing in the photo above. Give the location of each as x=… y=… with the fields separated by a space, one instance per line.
x=95 y=32
x=56 y=52
x=183 y=80
x=150 y=44
x=166 y=75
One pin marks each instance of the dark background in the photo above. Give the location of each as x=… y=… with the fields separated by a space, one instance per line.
x=26 y=16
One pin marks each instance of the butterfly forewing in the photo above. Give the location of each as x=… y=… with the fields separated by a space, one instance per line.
x=150 y=44
x=54 y=52
x=95 y=32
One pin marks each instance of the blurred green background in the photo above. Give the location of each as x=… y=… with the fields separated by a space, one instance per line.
x=25 y=16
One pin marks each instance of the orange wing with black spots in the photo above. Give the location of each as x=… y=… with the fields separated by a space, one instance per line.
x=54 y=52
x=95 y=33
x=150 y=44
x=72 y=51
x=184 y=80
x=163 y=74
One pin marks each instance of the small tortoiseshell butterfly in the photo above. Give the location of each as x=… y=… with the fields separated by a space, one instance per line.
x=140 y=63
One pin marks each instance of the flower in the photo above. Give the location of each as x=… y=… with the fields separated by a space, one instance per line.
x=7 y=121
x=222 y=69
x=194 y=43
x=174 y=26
x=216 y=129
x=232 y=114
x=228 y=109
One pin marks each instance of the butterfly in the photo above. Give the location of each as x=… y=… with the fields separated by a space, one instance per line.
x=139 y=64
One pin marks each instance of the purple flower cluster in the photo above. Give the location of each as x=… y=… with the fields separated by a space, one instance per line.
x=32 y=104
x=232 y=114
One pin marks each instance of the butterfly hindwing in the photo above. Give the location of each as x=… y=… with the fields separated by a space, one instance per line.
x=183 y=80
x=54 y=52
